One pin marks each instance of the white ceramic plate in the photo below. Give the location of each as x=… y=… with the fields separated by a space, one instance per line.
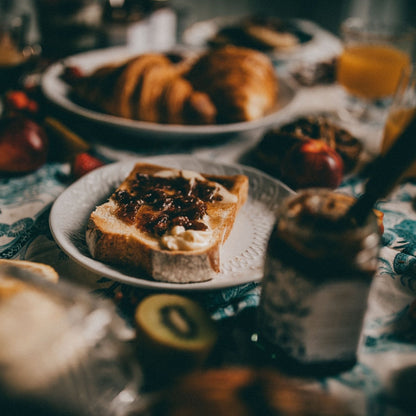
x=318 y=44
x=58 y=92
x=242 y=255
x=200 y=33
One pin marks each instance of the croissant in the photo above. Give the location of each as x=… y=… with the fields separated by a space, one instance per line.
x=148 y=87
x=240 y=81
x=226 y=85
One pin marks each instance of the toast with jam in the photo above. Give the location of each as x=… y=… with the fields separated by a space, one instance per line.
x=170 y=223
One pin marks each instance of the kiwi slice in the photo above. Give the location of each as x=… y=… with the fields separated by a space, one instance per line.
x=174 y=334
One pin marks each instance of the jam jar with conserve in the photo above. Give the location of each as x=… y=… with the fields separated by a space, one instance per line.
x=318 y=272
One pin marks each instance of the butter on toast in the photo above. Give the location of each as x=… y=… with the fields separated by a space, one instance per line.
x=168 y=222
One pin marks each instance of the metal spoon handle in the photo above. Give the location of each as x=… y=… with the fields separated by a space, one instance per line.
x=387 y=171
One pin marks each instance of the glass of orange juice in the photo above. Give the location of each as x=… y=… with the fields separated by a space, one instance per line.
x=370 y=66
x=401 y=112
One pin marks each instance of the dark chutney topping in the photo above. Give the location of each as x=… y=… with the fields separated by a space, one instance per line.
x=166 y=202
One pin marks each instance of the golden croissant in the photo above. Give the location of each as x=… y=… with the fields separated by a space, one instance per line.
x=224 y=85
x=240 y=81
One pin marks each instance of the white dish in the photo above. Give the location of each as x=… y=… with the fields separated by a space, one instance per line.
x=317 y=44
x=242 y=255
x=58 y=92
x=200 y=33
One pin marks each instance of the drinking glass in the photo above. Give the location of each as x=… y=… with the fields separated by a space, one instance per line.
x=401 y=112
x=16 y=54
x=64 y=351
x=370 y=66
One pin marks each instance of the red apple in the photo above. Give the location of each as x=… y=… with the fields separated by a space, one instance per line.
x=312 y=163
x=23 y=145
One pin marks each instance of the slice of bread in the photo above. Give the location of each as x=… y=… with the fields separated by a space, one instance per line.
x=170 y=223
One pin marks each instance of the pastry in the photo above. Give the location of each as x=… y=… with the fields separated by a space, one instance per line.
x=241 y=82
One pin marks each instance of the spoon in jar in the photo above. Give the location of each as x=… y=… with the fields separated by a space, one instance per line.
x=386 y=172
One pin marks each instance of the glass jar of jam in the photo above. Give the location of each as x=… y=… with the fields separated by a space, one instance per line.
x=318 y=272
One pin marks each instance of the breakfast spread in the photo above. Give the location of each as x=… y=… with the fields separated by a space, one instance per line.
x=171 y=223
x=120 y=232
x=226 y=85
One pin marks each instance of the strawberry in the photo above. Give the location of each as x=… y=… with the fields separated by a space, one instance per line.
x=84 y=163
x=16 y=100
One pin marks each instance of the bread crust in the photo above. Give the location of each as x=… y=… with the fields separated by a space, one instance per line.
x=112 y=240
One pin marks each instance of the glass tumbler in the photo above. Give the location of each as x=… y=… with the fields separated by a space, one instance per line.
x=16 y=54
x=401 y=112
x=369 y=67
x=64 y=351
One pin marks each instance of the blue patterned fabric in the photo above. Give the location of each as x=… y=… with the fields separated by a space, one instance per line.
x=24 y=205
